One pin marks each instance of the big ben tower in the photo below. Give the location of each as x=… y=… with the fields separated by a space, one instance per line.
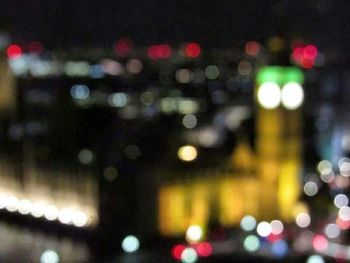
x=279 y=96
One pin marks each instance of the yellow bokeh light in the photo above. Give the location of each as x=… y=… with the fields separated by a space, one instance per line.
x=187 y=153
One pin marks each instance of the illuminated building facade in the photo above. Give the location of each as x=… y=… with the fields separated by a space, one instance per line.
x=264 y=183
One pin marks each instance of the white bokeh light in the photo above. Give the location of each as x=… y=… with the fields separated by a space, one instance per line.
x=263 y=229
x=269 y=95
x=292 y=95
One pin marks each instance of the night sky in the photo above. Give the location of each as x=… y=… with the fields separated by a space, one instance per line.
x=61 y=23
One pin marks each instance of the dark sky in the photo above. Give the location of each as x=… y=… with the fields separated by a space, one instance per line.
x=61 y=23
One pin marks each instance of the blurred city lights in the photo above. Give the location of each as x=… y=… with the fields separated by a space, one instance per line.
x=315 y=259
x=49 y=256
x=311 y=188
x=189 y=121
x=118 y=99
x=344 y=213
x=244 y=68
x=183 y=75
x=80 y=92
x=341 y=200
x=324 y=164
x=192 y=50
x=332 y=231
x=85 y=156
x=187 y=153
x=14 y=51
x=303 y=220
x=134 y=66
x=162 y=51
x=194 y=234
x=65 y=215
x=204 y=249
x=251 y=243
x=276 y=227
x=212 y=72
x=263 y=229
x=25 y=207
x=279 y=248
x=248 y=223
x=292 y=95
x=269 y=95
x=320 y=243
x=12 y=204
x=189 y=255
x=130 y=244
x=327 y=175
x=79 y=219
x=51 y=213
x=252 y=48
x=177 y=251
x=38 y=209
x=123 y=47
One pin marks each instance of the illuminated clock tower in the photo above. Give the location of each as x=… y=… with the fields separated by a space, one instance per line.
x=279 y=95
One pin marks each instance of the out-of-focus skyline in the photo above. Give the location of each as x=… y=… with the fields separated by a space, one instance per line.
x=220 y=23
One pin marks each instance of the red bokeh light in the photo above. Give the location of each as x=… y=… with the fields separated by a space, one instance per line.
x=204 y=249
x=36 y=47
x=252 y=48
x=123 y=47
x=177 y=250
x=343 y=225
x=274 y=238
x=162 y=51
x=14 y=51
x=310 y=52
x=307 y=63
x=297 y=54
x=192 y=50
x=320 y=243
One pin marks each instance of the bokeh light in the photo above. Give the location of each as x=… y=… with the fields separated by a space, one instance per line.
x=14 y=51
x=320 y=243
x=80 y=92
x=189 y=255
x=251 y=243
x=315 y=259
x=204 y=249
x=189 y=121
x=130 y=244
x=194 y=234
x=341 y=200
x=269 y=95
x=252 y=48
x=263 y=229
x=279 y=248
x=303 y=220
x=248 y=223
x=292 y=95
x=276 y=227
x=192 y=50
x=187 y=153
x=311 y=188
x=49 y=256
x=331 y=231
x=177 y=251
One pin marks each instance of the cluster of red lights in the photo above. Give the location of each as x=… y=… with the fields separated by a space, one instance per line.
x=203 y=249
x=161 y=51
x=305 y=56
x=15 y=51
